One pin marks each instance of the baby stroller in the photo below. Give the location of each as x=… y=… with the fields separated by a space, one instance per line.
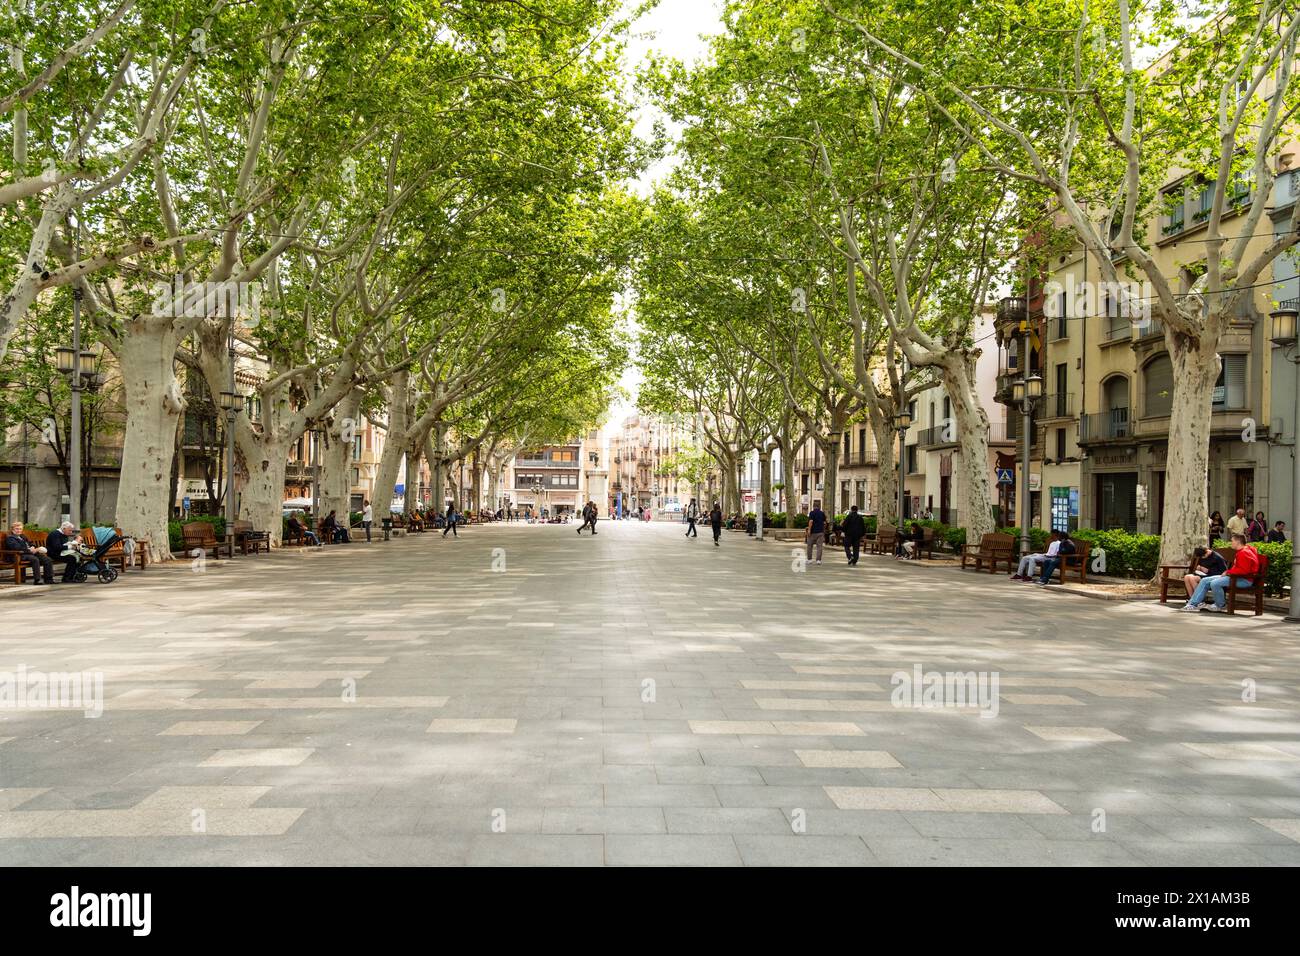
x=91 y=561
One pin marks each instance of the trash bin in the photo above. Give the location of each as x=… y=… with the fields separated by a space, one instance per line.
x=388 y=528
x=751 y=525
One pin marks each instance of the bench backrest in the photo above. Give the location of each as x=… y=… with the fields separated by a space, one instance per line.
x=35 y=538
x=242 y=526
x=996 y=541
x=198 y=532
x=1081 y=551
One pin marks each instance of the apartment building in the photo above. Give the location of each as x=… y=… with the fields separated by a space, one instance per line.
x=1102 y=429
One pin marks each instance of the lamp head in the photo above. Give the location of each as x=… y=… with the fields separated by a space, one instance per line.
x=1284 y=326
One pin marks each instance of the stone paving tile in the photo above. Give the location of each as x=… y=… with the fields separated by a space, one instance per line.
x=673 y=849
x=501 y=719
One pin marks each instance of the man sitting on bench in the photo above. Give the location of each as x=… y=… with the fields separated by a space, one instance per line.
x=1064 y=547
x=37 y=558
x=1028 y=566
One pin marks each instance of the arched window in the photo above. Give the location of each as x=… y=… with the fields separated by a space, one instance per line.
x=1157 y=387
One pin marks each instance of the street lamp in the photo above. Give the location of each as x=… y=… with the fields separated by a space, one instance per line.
x=79 y=366
x=232 y=403
x=902 y=422
x=313 y=438
x=1026 y=392
x=1286 y=338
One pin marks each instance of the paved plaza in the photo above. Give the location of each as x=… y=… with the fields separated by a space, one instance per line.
x=526 y=696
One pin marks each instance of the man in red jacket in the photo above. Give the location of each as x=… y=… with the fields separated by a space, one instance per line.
x=1245 y=561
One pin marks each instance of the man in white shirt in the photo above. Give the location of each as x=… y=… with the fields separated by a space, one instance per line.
x=1238 y=524
x=367 y=517
x=1029 y=563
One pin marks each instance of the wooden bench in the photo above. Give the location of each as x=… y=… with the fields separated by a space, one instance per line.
x=199 y=537
x=248 y=538
x=994 y=548
x=928 y=543
x=1077 y=562
x=15 y=560
x=1257 y=581
x=886 y=540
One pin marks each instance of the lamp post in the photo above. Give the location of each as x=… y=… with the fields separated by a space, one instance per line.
x=902 y=422
x=79 y=366
x=313 y=437
x=1286 y=337
x=537 y=495
x=76 y=364
x=232 y=403
x=1026 y=391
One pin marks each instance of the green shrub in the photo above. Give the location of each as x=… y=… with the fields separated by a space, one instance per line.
x=1127 y=554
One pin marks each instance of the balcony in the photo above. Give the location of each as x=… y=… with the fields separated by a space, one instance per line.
x=545 y=463
x=938 y=435
x=1011 y=311
x=552 y=483
x=1149 y=332
x=1104 y=426
x=860 y=458
x=1056 y=406
x=809 y=463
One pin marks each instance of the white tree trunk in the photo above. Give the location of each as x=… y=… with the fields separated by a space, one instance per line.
x=973 y=440
x=787 y=476
x=261 y=500
x=887 y=484
x=1185 y=520
x=336 y=463
x=153 y=404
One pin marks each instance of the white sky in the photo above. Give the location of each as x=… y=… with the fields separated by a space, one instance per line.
x=674 y=28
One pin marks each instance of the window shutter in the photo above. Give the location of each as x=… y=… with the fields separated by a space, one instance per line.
x=1159 y=381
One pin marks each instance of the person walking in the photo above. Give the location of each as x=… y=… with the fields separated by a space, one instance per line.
x=715 y=522
x=367 y=517
x=1238 y=523
x=451 y=521
x=692 y=516
x=815 y=533
x=853 y=529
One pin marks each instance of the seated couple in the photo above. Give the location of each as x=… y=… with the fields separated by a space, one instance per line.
x=1059 y=547
x=1212 y=576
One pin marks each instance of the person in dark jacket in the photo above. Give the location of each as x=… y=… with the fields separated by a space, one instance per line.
x=57 y=541
x=1278 y=534
x=40 y=563
x=854 y=529
x=715 y=522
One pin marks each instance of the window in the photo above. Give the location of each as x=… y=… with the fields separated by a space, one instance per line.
x=1060 y=444
x=356 y=448
x=862 y=442
x=1062 y=324
x=1158 y=387
x=1204 y=202
x=911 y=459
x=848 y=441
x=1174 y=203
x=1230 y=389
x=1117 y=326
